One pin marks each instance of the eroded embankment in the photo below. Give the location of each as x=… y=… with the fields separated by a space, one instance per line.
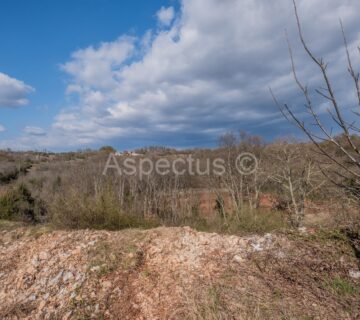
x=175 y=273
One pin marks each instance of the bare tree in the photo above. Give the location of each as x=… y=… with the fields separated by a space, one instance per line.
x=345 y=171
x=297 y=176
x=228 y=140
x=244 y=190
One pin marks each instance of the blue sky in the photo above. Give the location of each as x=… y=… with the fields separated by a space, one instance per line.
x=85 y=73
x=37 y=36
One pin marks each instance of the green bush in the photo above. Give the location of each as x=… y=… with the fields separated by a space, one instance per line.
x=18 y=204
x=103 y=211
x=6 y=177
x=107 y=149
x=13 y=172
x=259 y=221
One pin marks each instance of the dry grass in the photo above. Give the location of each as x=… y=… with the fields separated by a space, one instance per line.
x=69 y=191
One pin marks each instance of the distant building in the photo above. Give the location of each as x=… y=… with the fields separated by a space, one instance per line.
x=127 y=154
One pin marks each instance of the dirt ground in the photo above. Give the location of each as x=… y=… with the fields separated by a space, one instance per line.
x=176 y=273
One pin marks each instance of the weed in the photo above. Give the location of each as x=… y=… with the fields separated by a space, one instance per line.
x=102 y=259
x=18 y=204
x=259 y=221
x=342 y=287
x=101 y=212
x=9 y=225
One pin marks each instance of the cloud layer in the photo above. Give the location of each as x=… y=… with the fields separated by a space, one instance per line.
x=205 y=72
x=13 y=92
x=34 y=131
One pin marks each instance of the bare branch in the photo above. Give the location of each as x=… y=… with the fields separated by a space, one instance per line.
x=323 y=66
x=354 y=75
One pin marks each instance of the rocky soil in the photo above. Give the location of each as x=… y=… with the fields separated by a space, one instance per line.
x=176 y=273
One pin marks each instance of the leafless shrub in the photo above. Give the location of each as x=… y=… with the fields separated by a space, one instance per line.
x=343 y=153
x=297 y=176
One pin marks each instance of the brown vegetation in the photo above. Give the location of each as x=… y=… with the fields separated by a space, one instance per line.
x=71 y=191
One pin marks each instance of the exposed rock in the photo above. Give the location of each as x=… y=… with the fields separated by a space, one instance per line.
x=44 y=256
x=68 y=276
x=165 y=273
x=354 y=274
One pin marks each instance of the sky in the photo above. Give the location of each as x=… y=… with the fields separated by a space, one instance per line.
x=78 y=74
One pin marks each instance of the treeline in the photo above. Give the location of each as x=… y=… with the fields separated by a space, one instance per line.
x=72 y=192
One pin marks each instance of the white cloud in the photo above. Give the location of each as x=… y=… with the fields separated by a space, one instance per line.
x=34 y=131
x=95 y=66
x=208 y=73
x=13 y=92
x=2 y=128
x=165 y=16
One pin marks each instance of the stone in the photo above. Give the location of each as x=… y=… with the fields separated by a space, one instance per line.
x=354 y=274
x=237 y=258
x=106 y=285
x=32 y=297
x=67 y=276
x=44 y=256
x=42 y=305
x=95 y=269
x=35 y=262
x=56 y=279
